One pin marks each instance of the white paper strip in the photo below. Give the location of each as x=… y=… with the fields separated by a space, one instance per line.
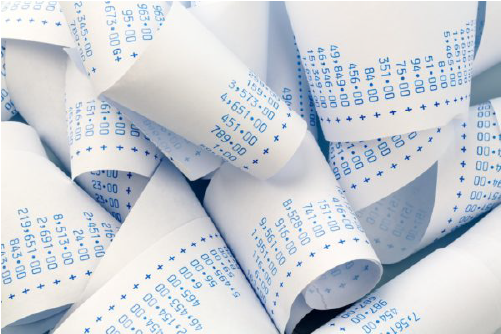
x=192 y=160
x=111 y=35
x=187 y=282
x=110 y=158
x=365 y=84
x=53 y=235
x=462 y=185
x=168 y=202
x=100 y=136
x=131 y=30
x=371 y=170
x=465 y=284
x=294 y=234
x=236 y=116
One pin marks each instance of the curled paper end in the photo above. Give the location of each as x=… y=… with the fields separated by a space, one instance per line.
x=315 y=293
x=301 y=220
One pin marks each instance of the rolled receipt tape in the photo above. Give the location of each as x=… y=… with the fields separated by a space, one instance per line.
x=462 y=280
x=294 y=235
x=236 y=116
x=365 y=85
x=53 y=234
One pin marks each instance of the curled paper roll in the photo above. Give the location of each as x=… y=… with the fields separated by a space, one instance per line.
x=100 y=136
x=461 y=185
x=236 y=116
x=102 y=67
x=365 y=85
x=294 y=235
x=193 y=161
x=110 y=158
x=168 y=202
x=472 y=262
x=161 y=289
x=172 y=271
x=371 y=170
x=53 y=234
